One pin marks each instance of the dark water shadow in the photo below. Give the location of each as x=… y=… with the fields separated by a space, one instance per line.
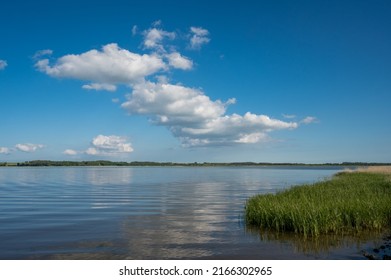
x=365 y=245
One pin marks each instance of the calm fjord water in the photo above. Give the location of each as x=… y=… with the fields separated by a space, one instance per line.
x=141 y=212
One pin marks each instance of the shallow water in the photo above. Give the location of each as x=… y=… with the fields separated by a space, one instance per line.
x=149 y=213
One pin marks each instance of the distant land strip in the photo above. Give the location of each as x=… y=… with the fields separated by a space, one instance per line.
x=201 y=164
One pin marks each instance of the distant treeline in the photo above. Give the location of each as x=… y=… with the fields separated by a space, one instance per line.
x=152 y=163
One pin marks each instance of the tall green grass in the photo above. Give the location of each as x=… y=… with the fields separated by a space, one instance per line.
x=348 y=203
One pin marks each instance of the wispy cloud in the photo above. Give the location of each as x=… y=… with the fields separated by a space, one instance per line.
x=309 y=119
x=134 y=30
x=287 y=116
x=41 y=53
x=199 y=37
x=3 y=64
x=98 y=86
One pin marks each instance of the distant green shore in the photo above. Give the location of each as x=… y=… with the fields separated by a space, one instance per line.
x=152 y=163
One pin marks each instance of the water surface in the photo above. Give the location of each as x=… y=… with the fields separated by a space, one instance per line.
x=146 y=213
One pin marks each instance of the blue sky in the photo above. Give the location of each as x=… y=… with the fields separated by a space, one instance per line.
x=185 y=81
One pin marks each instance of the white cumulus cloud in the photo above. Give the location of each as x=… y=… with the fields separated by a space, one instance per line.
x=109 y=145
x=92 y=151
x=195 y=119
x=188 y=113
x=231 y=129
x=199 y=37
x=171 y=104
x=3 y=64
x=5 y=150
x=103 y=145
x=106 y=68
x=70 y=152
x=111 y=65
x=176 y=60
x=153 y=38
x=28 y=147
x=252 y=138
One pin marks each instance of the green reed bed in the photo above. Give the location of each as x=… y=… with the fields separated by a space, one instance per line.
x=348 y=203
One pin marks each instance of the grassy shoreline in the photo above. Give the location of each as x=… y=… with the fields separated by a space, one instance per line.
x=348 y=203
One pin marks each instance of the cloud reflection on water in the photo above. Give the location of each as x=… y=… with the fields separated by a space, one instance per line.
x=138 y=213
